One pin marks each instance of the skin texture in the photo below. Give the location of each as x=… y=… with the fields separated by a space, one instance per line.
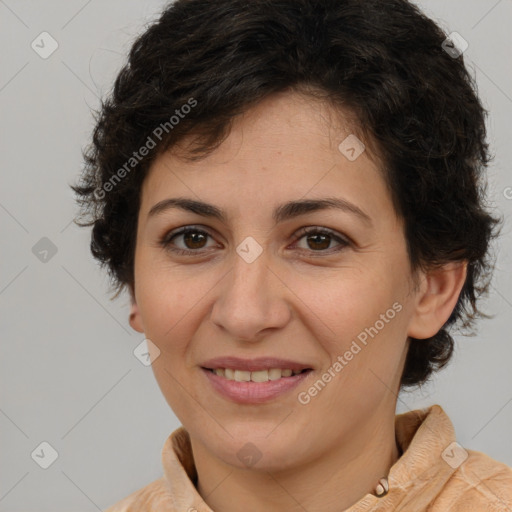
x=298 y=300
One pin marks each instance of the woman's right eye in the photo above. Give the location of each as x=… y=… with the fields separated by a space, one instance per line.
x=191 y=237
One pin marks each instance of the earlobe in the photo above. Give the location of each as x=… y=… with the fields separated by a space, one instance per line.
x=135 y=318
x=437 y=299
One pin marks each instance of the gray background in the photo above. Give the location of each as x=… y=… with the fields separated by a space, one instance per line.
x=68 y=373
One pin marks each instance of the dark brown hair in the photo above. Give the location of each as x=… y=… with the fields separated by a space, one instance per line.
x=382 y=60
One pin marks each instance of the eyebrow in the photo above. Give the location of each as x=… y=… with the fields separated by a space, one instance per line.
x=283 y=212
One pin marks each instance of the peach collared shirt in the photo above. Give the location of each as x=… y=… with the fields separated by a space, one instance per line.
x=434 y=474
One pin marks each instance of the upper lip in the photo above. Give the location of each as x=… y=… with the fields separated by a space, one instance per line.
x=254 y=365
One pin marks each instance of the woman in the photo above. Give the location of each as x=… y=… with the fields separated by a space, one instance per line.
x=293 y=198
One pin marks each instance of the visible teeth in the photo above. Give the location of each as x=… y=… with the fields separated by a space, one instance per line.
x=274 y=374
x=257 y=376
x=260 y=376
x=242 y=376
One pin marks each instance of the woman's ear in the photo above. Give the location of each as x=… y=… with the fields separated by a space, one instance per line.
x=135 y=318
x=439 y=291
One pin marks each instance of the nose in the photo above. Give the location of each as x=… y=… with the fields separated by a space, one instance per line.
x=252 y=299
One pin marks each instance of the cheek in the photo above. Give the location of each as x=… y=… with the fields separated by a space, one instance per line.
x=360 y=318
x=171 y=304
x=170 y=308
x=343 y=304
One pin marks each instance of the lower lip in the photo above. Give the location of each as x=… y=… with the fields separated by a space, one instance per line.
x=254 y=392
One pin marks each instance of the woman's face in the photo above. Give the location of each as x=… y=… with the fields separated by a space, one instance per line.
x=253 y=285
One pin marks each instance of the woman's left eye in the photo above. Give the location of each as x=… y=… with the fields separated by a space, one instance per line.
x=319 y=239
x=322 y=237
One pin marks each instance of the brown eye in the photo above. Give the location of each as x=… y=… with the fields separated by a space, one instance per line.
x=194 y=240
x=319 y=239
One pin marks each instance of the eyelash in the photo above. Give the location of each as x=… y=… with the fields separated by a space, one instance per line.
x=165 y=242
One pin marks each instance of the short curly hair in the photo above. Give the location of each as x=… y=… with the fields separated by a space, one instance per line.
x=384 y=61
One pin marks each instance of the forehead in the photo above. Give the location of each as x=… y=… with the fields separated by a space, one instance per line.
x=287 y=147
x=282 y=121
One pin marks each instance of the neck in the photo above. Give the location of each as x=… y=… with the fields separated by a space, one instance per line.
x=333 y=482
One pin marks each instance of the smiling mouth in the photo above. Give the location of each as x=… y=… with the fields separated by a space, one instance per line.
x=256 y=376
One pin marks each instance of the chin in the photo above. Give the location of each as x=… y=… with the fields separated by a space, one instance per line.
x=260 y=453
